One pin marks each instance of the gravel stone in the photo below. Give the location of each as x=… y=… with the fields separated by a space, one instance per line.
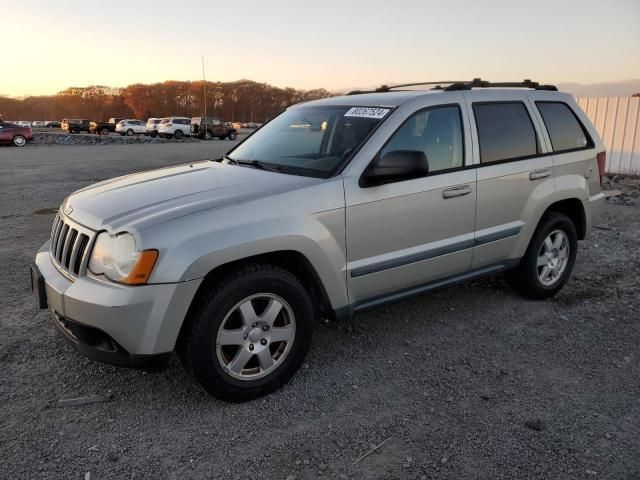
x=534 y=424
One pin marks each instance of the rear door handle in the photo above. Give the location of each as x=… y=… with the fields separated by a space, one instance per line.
x=458 y=191
x=538 y=174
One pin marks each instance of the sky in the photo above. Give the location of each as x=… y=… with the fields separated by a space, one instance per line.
x=303 y=44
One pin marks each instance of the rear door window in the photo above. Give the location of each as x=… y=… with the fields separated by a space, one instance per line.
x=505 y=131
x=565 y=130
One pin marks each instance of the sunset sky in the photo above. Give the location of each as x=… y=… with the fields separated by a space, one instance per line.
x=50 y=45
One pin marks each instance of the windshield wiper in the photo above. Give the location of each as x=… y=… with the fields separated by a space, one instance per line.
x=258 y=164
x=251 y=163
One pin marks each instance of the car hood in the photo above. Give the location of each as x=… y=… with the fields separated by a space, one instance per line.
x=142 y=200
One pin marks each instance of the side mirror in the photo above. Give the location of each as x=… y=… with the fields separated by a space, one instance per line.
x=395 y=166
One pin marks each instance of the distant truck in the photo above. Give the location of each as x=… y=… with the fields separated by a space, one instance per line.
x=74 y=125
x=104 y=128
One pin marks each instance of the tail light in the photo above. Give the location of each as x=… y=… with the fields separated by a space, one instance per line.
x=602 y=160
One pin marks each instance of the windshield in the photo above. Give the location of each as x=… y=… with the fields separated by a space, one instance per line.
x=310 y=140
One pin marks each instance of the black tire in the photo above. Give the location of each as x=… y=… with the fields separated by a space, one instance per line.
x=19 y=141
x=104 y=131
x=153 y=134
x=524 y=278
x=197 y=347
x=232 y=136
x=130 y=132
x=208 y=135
x=178 y=134
x=76 y=130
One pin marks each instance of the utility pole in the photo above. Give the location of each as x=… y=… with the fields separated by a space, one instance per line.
x=204 y=90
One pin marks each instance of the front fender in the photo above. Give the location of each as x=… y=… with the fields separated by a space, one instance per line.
x=192 y=248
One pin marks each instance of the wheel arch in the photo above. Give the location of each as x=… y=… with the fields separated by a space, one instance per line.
x=574 y=209
x=293 y=261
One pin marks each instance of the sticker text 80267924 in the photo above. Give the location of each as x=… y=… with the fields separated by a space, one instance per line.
x=367 y=112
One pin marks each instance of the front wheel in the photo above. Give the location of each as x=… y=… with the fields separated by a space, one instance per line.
x=249 y=333
x=232 y=136
x=104 y=131
x=129 y=133
x=19 y=141
x=208 y=135
x=178 y=134
x=549 y=260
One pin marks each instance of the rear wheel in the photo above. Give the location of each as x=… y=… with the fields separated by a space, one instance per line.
x=76 y=130
x=549 y=260
x=178 y=134
x=129 y=133
x=232 y=136
x=104 y=131
x=19 y=141
x=208 y=135
x=249 y=334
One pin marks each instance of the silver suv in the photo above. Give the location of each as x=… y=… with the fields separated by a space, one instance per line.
x=333 y=207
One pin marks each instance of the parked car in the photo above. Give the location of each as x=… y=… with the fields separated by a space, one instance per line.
x=236 y=125
x=15 y=134
x=23 y=123
x=52 y=124
x=176 y=127
x=104 y=128
x=130 y=127
x=333 y=207
x=214 y=128
x=75 y=125
x=38 y=124
x=152 y=126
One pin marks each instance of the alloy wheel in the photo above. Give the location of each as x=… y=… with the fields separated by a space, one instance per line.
x=553 y=257
x=255 y=336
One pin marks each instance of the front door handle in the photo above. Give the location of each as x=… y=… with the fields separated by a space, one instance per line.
x=458 y=191
x=538 y=174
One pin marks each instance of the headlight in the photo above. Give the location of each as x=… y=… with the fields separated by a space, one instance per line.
x=117 y=258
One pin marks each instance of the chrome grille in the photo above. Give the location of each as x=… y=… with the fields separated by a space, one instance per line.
x=70 y=245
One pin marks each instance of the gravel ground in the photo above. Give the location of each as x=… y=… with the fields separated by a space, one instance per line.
x=469 y=382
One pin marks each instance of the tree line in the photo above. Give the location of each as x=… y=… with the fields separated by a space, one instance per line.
x=240 y=101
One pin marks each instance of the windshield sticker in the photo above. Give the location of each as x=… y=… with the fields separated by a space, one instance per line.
x=367 y=112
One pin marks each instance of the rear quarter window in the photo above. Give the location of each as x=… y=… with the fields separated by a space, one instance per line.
x=565 y=130
x=505 y=131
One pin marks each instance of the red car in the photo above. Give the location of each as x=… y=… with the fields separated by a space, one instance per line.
x=12 y=133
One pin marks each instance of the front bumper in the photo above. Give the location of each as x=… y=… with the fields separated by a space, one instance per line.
x=134 y=326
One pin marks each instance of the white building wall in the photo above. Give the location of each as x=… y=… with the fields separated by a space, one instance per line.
x=617 y=119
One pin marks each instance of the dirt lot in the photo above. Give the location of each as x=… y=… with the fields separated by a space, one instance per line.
x=470 y=382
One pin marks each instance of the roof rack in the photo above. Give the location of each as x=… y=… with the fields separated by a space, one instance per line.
x=478 y=83
x=388 y=88
x=461 y=85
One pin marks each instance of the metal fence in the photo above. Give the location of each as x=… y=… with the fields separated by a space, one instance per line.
x=617 y=120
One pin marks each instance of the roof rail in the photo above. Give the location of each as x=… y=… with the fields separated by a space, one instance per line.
x=453 y=85
x=478 y=83
x=388 y=88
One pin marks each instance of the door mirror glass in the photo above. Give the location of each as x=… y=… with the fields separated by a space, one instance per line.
x=395 y=166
